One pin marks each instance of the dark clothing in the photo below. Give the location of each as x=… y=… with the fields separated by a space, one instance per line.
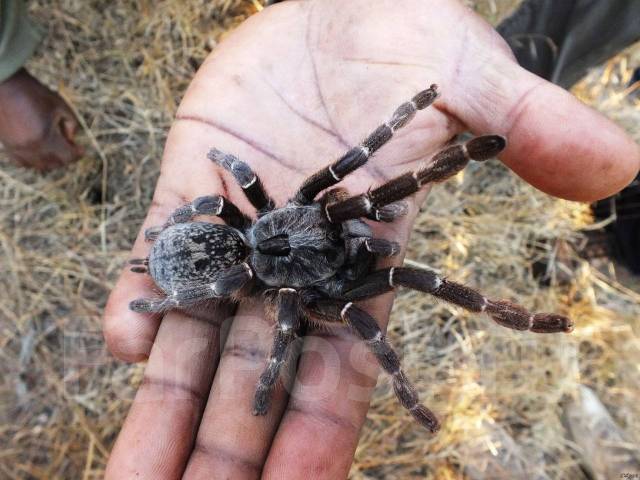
x=561 y=39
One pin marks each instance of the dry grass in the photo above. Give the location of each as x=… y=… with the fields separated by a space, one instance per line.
x=64 y=237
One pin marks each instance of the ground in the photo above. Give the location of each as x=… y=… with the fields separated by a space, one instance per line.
x=65 y=236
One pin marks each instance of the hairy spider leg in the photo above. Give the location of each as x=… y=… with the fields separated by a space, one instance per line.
x=249 y=182
x=365 y=326
x=139 y=265
x=381 y=247
x=361 y=248
x=228 y=282
x=388 y=213
x=358 y=155
x=288 y=323
x=442 y=166
x=503 y=312
x=208 y=205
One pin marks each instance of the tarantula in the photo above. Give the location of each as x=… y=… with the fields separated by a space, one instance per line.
x=312 y=259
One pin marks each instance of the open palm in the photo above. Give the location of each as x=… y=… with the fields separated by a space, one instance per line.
x=287 y=92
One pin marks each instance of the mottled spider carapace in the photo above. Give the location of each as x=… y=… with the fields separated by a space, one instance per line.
x=315 y=257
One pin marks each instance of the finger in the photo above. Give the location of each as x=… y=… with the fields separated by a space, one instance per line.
x=166 y=411
x=329 y=401
x=242 y=450
x=328 y=405
x=58 y=145
x=68 y=127
x=130 y=335
x=555 y=142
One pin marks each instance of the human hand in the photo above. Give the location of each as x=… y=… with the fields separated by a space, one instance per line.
x=288 y=92
x=37 y=127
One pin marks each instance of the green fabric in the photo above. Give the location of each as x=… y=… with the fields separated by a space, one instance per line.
x=18 y=37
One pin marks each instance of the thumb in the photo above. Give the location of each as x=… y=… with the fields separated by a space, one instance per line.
x=555 y=142
x=60 y=141
x=68 y=128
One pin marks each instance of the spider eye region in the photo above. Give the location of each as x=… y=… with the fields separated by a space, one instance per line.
x=278 y=245
x=295 y=246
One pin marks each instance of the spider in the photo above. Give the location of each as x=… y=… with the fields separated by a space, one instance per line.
x=313 y=259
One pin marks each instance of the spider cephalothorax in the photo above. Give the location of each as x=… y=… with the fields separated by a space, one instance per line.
x=316 y=257
x=296 y=246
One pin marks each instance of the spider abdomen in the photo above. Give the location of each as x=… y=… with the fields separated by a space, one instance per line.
x=194 y=253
